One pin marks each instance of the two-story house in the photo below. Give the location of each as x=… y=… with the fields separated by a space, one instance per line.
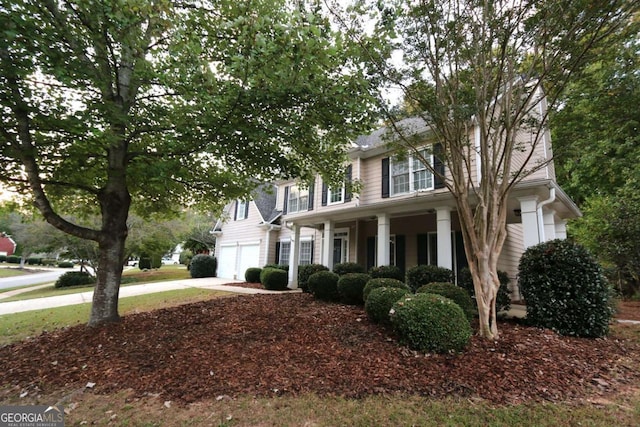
x=402 y=215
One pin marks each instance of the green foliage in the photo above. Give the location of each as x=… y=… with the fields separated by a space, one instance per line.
x=455 y=293
x=430 y=323
x=277 y=266
x=252 y=275
x=3 y=258
x=380 y=301
x=65 y=264
x=49 y=261
x=74 y=278
x=424 y=274
x=503 y=298
x=305 y=271
x=13 y=259
x=382 y=282
x=347 y=267
x=156 y=261
x=324 y=285
x=350 y=287
x=203 y=266
x=564 y=289
x=34 y=261
x=144 y=263
x=386 y=272
x=274 y=279
x=185 y=257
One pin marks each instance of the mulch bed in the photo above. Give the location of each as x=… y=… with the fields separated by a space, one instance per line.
x=267 y=345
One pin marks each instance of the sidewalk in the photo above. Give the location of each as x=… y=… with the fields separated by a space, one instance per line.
x=212 y=283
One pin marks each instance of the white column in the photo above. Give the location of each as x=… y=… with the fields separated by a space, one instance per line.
x=294 y=257
x=327 y=245
x=384 y=237
x=529 y=218
x=561 y=229
x=443 y=221
x=548 y=217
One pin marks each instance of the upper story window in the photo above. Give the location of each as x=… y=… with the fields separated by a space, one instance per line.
x=242 y=209
x=341 y=194
x=411 y=174
x=297 y=199
x=336 y=195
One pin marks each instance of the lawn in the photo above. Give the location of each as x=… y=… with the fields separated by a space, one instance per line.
x=10 y=272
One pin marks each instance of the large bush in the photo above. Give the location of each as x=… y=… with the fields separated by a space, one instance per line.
x=202 y=266
x=13 y=259
x=252 y=274
x=274 y=279
x=455 y=293
x=565 y=289
x=284 y=267
x=380 y=301
x=350 y=287
x=74 y=278
x=382 y=282
x=347 y=267
x=144 y=263
x=324 y=285
x=305 y=271
x=503 y=298
x=386 y=272
x=424 y=274
x=430 y=323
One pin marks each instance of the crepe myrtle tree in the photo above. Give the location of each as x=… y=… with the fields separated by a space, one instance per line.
x=150 y=105
x=480 y=74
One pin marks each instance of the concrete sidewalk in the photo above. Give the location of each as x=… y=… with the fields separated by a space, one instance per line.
x=212 y=283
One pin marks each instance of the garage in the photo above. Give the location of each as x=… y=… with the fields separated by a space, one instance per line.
x=234 y=260
x=227 y=262
x=248 y=256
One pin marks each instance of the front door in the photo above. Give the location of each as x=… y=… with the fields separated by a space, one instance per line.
x=340 y=247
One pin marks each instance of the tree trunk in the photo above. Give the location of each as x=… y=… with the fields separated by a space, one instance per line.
x=486 y=285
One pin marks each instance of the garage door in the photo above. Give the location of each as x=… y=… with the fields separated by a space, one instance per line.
x=227 y=262
x=249 y=256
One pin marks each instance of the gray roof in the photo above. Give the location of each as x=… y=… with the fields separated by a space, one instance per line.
x=410 y=126
x=265 y=200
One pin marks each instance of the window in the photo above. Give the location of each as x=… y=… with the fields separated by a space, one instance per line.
x=285 y=251
x=336 y=196
x=411 y=174
x=242 y=209
x=298 y=200
x=305 y=252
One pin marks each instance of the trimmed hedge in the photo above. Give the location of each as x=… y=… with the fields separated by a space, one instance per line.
x=252 y=274
x=274 y=279
x=380 y=301
x=3 y=258
x=424 y=274
x=503 y=299
x=430 y=323
x=305 y=271
x=565 y=289
x=65 y=264
x=324 y=285
x=350 y=287
x=13 y=259
x=144 y=263
x=202 y=266
x=74 y=278
x=386 y=272
x=382 y=282
x=284 y=267
x=347 y=267
x=455 y=293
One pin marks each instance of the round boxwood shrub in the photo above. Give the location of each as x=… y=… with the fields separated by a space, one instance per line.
x=380 y=301
x=565 y=290
x=382 y=282
x=347 y=267
x=65 y=264
x=252 y=274
x=144 y=263
x=324 y=285
x=274 y=279
x=425 y=274
x=74 y=278
x=34 y=261
x=455 y=293
x=503 y=299
x=284 y=267
x=202 y=266
x=350 y=287
x=3 y=258
x=430 y=323
x=13 y=259
x=305 y=271
x=386 y=272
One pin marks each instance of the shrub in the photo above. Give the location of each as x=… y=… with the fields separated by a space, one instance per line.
x=455 y=293
x=425 y=274
x=350 y=287
x=430 y=323
x=49 y=261
x=324 y=285
x=65 y=264
x=252 y=275
x=386 y=272
x=305 y=271
x=156 y=261
x=74 y=278
x=382 y=282
x=347 y=267
x=565 y=289
x=185 y=257
x=202 y=266
x=144 y=263
x=380 y=301
x=503 y=299
x=3 y=258
x=13 y=259
x=34 y=261
x=284 y=267
x=274 y=279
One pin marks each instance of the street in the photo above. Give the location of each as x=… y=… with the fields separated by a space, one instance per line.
x=31 y=279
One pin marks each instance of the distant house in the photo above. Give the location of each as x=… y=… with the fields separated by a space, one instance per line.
x=7 y=245
x=402 y=216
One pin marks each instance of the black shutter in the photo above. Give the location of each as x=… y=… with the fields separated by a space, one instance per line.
x=371 y=252
x=438 y=166
x=246 y=209
x=235 y=212
x=286 y=200
x=312 y=246
x=324 y=194
x=423 y=251
x=347 y=185
x=312 y=188
x=385 y=177
x=461 y=256
x=277 y=261
x=401 y=253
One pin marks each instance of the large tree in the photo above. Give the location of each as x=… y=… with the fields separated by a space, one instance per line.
x=112 y=105
x=480 y=73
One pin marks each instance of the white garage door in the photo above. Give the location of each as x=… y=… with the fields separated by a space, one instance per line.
x=249 y=256
x=227 y=262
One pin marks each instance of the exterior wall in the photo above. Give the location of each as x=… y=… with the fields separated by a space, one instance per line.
x=510 y=256
x=7 y=245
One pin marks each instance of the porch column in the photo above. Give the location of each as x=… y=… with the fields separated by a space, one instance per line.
x=561 y=229
x=384 y=237
x=294 y=257
x=327 y=245
x=443 y=223
x=549 y=224
x=529 y=218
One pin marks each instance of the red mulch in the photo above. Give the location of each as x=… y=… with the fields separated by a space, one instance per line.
x=268 y=345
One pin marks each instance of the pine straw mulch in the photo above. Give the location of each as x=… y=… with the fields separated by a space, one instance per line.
x=266 y=345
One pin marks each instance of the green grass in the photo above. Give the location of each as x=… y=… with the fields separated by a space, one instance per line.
x=10 y=272
x=17 y=326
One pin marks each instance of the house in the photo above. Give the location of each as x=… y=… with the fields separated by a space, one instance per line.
x=7 y=245
x=402 y=215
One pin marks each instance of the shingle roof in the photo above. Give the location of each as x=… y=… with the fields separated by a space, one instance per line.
x=411 y=126
x=265 y=200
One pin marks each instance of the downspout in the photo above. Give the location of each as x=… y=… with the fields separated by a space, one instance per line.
x=551 y=199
